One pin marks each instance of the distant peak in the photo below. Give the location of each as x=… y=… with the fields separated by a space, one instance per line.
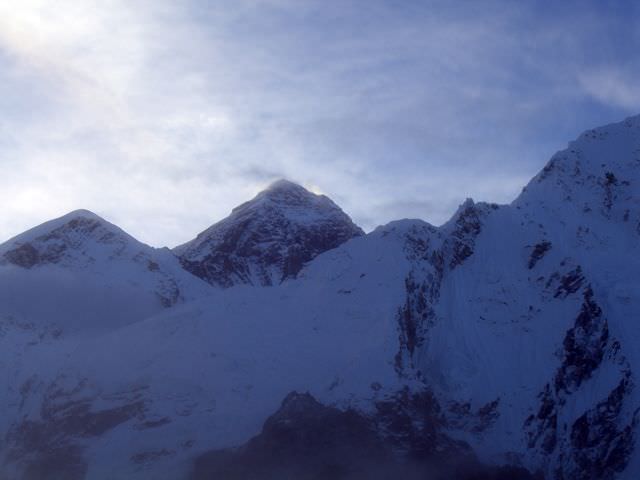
x=284 y=184
x=80 y=219
x=269 y=238
x=286 y=189
x=81 y=213
x=77 y=222
x=66 y=240
x=286 y=194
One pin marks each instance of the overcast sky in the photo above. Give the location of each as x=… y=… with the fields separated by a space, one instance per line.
x=161 y=116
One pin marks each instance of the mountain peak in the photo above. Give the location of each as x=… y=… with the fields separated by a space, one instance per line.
x=70 y=239
x=287 y=196
x=268 y=238
x=284 y=185
x=82 y=213
x=288 y=191
x=597 y=174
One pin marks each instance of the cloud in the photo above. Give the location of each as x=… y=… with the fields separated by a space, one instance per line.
x=612 y=87
x=162 y=116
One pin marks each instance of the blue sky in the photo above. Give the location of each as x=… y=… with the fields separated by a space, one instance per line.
x=162 y=116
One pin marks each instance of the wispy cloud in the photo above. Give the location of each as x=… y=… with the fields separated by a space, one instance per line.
x=612 y=86
x=162 y=116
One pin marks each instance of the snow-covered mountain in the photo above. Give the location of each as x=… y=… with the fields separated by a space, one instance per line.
x=268 y=239
x=83 y=271
x=507 y=336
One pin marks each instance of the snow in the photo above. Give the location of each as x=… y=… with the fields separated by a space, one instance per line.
x=216 y=362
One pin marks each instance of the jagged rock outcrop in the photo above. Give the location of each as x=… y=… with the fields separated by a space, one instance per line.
x=599 y=442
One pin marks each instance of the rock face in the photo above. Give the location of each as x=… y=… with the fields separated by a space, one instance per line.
x=269 y=238
x=303 y=439
x=506 y=337
x=601 y=441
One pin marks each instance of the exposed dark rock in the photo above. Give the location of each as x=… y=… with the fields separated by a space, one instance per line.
x=413 y=423
x=542 y=428
x=467 y=227
x=460 y=416
x=308 y=441
x=539 y=250
x=570 y=283
x=584 y=345
x=168 y=292
x=422 y=287
x=610 y=181
x=601 y=446
x=412 y=319
x=302 y=440
x=599 y=442
x=416 y=316
x=54 y=246
x=25 y=256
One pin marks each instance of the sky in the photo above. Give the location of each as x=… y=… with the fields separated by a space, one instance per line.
x=161 y=116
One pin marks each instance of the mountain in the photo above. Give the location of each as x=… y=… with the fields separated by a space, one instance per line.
x=80 y=269
x=504 y=340
x=268 y=239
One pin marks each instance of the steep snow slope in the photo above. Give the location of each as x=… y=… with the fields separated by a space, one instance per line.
x=510 y=330
x=268 y=239
x=540 y=317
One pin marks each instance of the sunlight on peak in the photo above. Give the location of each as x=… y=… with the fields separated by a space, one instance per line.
x=313 y=188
